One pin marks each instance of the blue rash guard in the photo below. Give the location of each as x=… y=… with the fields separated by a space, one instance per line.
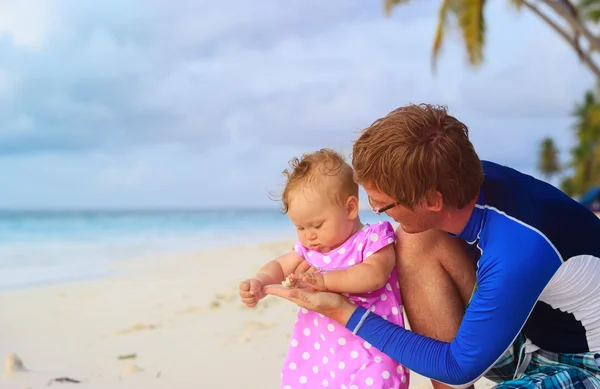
x=538 y=273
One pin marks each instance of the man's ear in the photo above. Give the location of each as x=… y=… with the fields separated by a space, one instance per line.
x=352 y=207
x=434 y=202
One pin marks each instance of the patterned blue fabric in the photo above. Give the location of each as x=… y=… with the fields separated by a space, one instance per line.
x=546 y=370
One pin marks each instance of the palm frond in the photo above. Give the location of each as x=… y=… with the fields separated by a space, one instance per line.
x=472 y=25
x=439 y=33
x=390 y=4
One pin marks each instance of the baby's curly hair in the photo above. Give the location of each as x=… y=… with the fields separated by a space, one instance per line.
x=325 y=169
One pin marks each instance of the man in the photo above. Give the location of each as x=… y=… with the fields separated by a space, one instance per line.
x=529 y=315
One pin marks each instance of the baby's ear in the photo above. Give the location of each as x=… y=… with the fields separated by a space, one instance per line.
x=352 y=207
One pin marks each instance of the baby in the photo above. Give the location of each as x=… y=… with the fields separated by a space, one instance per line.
x=321 y=199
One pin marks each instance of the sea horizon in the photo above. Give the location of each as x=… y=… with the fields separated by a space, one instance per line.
x=48 y=246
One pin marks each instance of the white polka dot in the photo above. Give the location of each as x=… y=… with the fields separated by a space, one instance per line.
x=385 y=374
x=322 y=337
x=303 y=379
x=325 y=360
x=383 y=298
x=368 y=254
x=388 y=286
x=322 y=316
x=306 y=332
x=330 y=327
x=325 y=383
x=315 y=369
x=367 y=345
x=304 y=310
x=287 y=387
x=354 y=354
x=331 y=373
x=305 y=355
x=294 y=343
x=295 y=247
x=374 y=237
x=359 y=247
x=352 y=376
x=369 y=381
x=380 y=222
x=384 y=317
x=390 y=240
x=399 y=369
x=341 y=365
x=353 y=387
x=316 y=322
x=394 y=310
x=342 y=250
x=373 y=308
x=292 y=366
x=403 y=379
x=397 y=285
x=341 y=387
x=364 y=300
x=363 y=367
x=327 y=259
x=310 y=254
x=342 y=341
x=317 y=345
x=376 y=359
x=331 y=350
x=351 y=262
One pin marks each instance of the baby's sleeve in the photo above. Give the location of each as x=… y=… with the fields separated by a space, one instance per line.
x=378 y=236
x=299 y=249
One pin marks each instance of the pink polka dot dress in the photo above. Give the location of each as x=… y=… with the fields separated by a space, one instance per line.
x=324 y=354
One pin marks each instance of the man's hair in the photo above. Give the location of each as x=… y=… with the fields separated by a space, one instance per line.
x=324 y=170
x=416 y=150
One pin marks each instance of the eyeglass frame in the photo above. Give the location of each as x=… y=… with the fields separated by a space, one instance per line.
x=379 y=211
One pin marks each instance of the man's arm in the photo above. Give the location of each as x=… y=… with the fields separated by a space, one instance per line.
x=509 y=286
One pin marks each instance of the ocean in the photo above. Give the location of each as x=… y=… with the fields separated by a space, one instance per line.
x=49 y=247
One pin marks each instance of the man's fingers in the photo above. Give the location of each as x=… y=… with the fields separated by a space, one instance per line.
x=298 y=296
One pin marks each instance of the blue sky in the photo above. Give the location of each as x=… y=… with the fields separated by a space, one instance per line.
x=119 y=104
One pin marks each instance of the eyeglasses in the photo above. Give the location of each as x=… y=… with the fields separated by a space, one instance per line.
x=380 y=210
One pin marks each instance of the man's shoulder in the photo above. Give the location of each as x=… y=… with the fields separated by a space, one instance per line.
x=520 y=205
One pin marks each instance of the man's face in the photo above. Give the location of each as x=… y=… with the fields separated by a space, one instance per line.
x=413 y=221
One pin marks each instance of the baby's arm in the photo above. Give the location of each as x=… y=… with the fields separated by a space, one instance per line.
x=371 y=274
x=275 y=271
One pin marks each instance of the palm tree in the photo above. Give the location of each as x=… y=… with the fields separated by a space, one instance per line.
x=585 y=156
x=471 y=22
x=548 y=163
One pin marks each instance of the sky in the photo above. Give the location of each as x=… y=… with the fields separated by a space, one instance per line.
x=200 y=104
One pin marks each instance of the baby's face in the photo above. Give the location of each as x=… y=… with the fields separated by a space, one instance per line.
x=321 y=225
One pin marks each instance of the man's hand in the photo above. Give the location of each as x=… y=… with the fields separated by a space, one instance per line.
x=251 y=291
x=313 y=279
x=333 y=305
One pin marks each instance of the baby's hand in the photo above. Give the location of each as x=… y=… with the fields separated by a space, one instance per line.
x=315 y=280
x=251 y=291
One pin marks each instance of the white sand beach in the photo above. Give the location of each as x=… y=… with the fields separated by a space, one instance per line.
x=170 y=322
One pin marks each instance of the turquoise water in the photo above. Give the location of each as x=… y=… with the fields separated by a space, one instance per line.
x=46 y=247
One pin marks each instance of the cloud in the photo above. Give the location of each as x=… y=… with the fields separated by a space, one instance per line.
x=206 y=101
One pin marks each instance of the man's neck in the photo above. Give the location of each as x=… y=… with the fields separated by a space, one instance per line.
x=455 y=220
